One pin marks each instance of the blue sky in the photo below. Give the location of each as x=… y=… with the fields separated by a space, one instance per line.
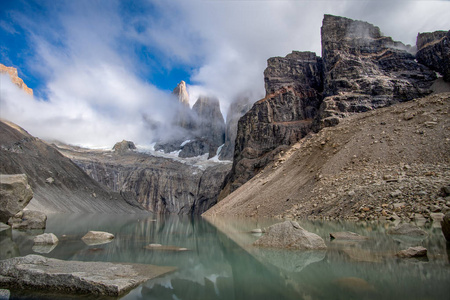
x=98 y=66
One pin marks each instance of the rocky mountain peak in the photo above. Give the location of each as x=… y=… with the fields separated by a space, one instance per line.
x=210 y=122
x=182 y=94
x=13 y=74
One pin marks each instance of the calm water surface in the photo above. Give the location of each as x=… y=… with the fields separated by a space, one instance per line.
x=221 y=262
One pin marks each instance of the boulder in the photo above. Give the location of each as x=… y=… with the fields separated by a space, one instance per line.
x=445 y=224
x=75 y=277
x=290 y=235
x=97 y=238
x=123 y=147
x=418 y=251
x=29 y=219
x=15 y=194
x=46 y=239
x=407 y=229
x=347 y=235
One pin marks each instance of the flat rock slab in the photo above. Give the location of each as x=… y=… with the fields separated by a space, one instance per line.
x=348 y=235
x=75 y=277
x=418 y=251
x=160 y=247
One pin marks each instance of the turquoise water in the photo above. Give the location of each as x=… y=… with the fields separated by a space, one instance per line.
x=221 y=262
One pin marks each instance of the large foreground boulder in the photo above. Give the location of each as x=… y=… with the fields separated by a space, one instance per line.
x=445 y=224
x=28 y=219
x=290 y=235
x=75 y=277
x=15 y=193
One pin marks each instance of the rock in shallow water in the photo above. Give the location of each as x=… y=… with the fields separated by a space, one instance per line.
x=347 y=236
x=413 y=252
x=407 y=229
x=290 y=235
x=445 y=223
x=46 y=239
x=97 y=238
x=39 y=273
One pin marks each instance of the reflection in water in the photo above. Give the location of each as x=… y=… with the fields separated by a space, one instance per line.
x=221 y=262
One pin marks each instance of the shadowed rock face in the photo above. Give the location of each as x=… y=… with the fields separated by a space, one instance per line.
x=433 y=50
x=284 y=116
x=160 y=185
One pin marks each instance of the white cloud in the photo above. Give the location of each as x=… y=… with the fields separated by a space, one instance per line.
x=95 y=93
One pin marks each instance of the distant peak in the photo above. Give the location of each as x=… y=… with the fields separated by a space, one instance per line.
x=182 y=94
x=12 y=72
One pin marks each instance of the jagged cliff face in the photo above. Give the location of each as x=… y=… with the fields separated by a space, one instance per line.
x=293 y=93
x=365 y=70
x=160 y=185
x=360 y=70
x=433 y=50
x=12 y=72
x=200 y=130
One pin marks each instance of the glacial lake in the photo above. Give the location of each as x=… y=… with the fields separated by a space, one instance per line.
x=221 y=262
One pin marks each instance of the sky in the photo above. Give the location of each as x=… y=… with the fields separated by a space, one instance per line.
x=103 y=71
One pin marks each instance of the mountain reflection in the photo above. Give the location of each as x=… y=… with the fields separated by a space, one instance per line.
x=222 y=263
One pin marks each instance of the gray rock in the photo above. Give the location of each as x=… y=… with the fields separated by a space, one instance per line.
x=445 y=224
x=29 y=219
x=256 y=230
x=347 y=235
x=290 y=235
x=407 y=229
x=4 y=294
x=75 y=277
x=46 y=238
x=97 y=238
x=124 y=147
x=412 y=252
x=15 y=194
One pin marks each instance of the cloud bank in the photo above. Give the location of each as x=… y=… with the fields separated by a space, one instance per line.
x=100 y=61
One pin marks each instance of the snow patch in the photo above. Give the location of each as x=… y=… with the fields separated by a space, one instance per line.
x=184 y=143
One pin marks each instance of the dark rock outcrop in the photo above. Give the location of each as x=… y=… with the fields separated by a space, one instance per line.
x=433 y=50
x=15 y=194
x=75 y=277
x=283 y=117
x=365 y=70
x=445 y=224
x=71 y=191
